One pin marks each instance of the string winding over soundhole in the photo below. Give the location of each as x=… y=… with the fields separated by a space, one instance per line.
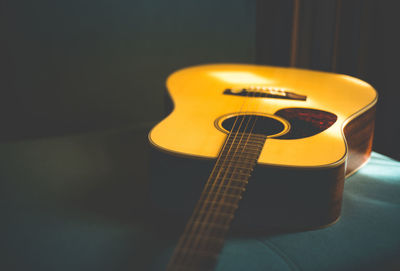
x=266 y=125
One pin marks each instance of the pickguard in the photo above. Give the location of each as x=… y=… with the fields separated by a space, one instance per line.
x=305 y=122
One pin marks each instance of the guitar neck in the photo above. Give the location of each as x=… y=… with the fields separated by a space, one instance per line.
x=204 y=235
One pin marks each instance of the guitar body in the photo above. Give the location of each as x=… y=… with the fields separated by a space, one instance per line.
x=322 y=129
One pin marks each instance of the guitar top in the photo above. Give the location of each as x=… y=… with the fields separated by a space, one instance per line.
x=203 y=96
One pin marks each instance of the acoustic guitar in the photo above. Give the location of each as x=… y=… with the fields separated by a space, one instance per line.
x=288 y=136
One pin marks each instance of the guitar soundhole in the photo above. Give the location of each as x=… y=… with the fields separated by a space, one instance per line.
x=254 y=124
x=305 y=122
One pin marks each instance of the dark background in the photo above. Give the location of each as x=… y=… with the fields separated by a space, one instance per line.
x=78 y=66
x=82 y=82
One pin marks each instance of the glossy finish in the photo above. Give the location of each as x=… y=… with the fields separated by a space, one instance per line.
x=198 y=98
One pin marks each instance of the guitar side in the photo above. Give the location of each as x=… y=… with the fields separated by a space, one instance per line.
x=280 y=195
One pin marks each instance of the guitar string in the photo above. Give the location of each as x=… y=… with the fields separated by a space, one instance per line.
x=223 y=179
x=185 y=238
x=241 y=155
x=190 y=224
x=218 y=185
x=228 y=185
x=211 y=185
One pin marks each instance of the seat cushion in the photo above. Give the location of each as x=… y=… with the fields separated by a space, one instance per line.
x=366 y=237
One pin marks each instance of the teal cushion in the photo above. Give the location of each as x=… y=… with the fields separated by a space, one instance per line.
x=367 y=236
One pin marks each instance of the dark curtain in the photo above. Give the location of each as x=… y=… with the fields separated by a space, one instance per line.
x=354 y=37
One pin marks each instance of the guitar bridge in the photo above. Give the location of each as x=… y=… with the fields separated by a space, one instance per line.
x=265 y=92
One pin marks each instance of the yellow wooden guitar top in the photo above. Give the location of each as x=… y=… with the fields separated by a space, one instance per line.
x=200 y=105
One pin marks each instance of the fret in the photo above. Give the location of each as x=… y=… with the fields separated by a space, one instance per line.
x=242 y=161
x=215 y=214
x=247 y=145
x=242 y=155
x=245 y=142
x=224 y=187
x=237 y=148
x=223 y=181
x=250 y=146
x=220 y=206
x=241 y=150
x=245 y=154
x=229 y=181
x=231 y=188
x=237 y=185
x=228 y=163
x=221 y=219
x=237 y=152
x=230 y=198
x=232 y=178
x=237 y=158
x=220 y=203
x=225 y=167
x=227 y=188
x=214 y=194
x=239 y=155
x=217 y=218
x=235 y=178
x=230 y=159
x=243 y=168
x=217 y=207
x=238 y=173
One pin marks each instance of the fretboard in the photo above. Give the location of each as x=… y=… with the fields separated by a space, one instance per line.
x=204 y=235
